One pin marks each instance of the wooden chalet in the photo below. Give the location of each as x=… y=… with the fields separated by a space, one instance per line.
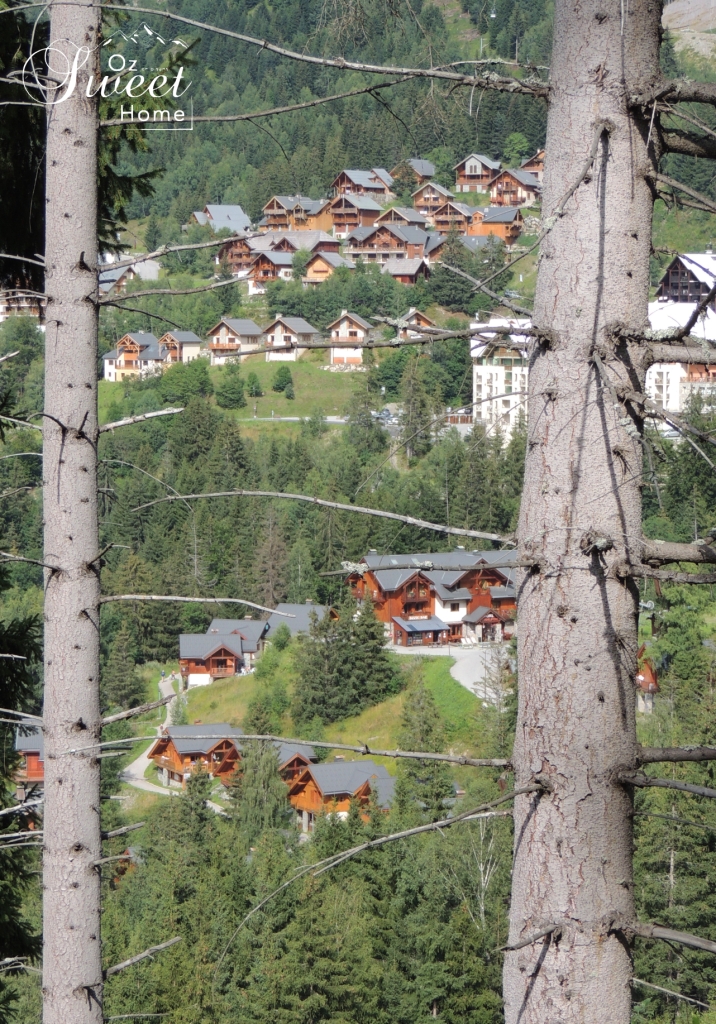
x=688 y=278
x=221 y=216
x=414 y=321
x=647 y=683
x=514 y=188
x=505 y=222
x=184 y=749
x=440 y=597
x=295 y=213
x=289 y=335
x=21 y=302
x=405 y=270
x=136 y=355
x=351 y=211
x=228 y=647
x=375 y=183
x=233 y=339
x=422 y=170
x=267 y=267
x=454 y=216
x=322 y=264
x=180 y=346
x=349 y=327
x=311 y=241
x=386 y=241
x=428 y=198
x=30 y=746
x=403 y=216
x=475 y=172
x=329 y=789
x=293 y=758
x=534 y=165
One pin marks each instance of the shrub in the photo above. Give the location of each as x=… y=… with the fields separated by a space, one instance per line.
x=230 y=390
x=253 y=385
x=289 y=392
x=282 y=379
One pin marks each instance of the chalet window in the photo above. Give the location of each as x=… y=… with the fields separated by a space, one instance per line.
x=423 y=590
x=353 y=334
x=454 y=606
x=412 y=590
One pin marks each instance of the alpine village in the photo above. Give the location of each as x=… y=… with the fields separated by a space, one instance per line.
x=319 y=319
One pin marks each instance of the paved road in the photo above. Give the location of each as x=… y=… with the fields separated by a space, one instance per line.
x=472 y=664
x=133 y=774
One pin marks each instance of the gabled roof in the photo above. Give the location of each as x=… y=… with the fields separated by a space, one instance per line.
x=438 y=188
x=493 y=165
x=354 y=317
x=201 y=646
x=421 y=625
x=501 y=214
x=365 y=179
x=385 y=176
x=524 y=177
x=473 y=242
x=435 y=240
x=231 y=217
x=287 y=751
x=182 y=337
x=198 y=739
x=30 y=740
x=149 y=348
x=701 y=264
x=407 y=213
x=243 y=327
x=111 y=275
x=458 y=559
x=479 y=614
x=463 y=208
x=459 y=594
x=539 y=155
x=295 y=324
x=290 y=202
x=502 y=592
x=398 y=268
x=279 y=259
x=299 y=239
x=424 y=168
x=412 y=314
x=339 y=778
x=301 y=621
x=250 y=631
x=334 y=259
x=359 y=202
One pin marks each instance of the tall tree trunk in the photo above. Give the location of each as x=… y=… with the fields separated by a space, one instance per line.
x=72 y=974
x=578 y=626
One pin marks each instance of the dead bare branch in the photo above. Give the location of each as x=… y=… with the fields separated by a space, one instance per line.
x=489 y=81
x=668 y=992
x=706 y=203
x=164 y=250
x=481 y=286
x=16 y=455
x=283 y=110
x=665 y=575
x=138 y=419
x=674 y=818
x=140 y=956
x=676 y=91
x=21 y=808
x=655 y=931
x=365 y=750
x=688 y=144
x=9 y=355
x=20 y=423
x=675 y=755
x=141 y=710
x=549 y=929
x=661 y=552
x=192 y=600
x=166 y=291
x=123 y=830
x=645 y=781
x=410 y=520
x=22 y=259
x=136 y=309
x=6 y=557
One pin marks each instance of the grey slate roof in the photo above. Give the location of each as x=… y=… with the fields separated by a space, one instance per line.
x=422 y=167
x=185 y=337
x=385 y=176
x=251 y=631
x=305 y=202
x=341 y=777
x=301 y=621
x=500 y=214
x=354 y=316
x=421 y=625
x=287 y=750
x=197 y=739
x=502 y=592
x=296 y=324
x=149 y=348
x=243 y=327
x=301 y=239
x=459 y=594
x=412 y=216
x=524 y=178
x=438 y=188
x=30 y=739
x=494 y=165
x=435 y=239
x=200 y=645
x=361 y=202
x=334 y=259
x=231 y=217
x=478 y=615
x=401 y=267
x=473 y=242
x=362 y=178
x=431 y=560
x=279 y=259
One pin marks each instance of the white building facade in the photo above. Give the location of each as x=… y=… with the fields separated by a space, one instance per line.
x=499 y=376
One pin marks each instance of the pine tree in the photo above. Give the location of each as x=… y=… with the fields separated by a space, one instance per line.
x=282 y=378
x=253 y=385
x=302 y=581
x=230 y=390
x=121 y=684
x=260 y=795
x=423 y=786
x=415 y=419
x=374 y=673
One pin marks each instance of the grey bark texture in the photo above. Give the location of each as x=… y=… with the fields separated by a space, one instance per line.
x=72 y=969
x=577 y=640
